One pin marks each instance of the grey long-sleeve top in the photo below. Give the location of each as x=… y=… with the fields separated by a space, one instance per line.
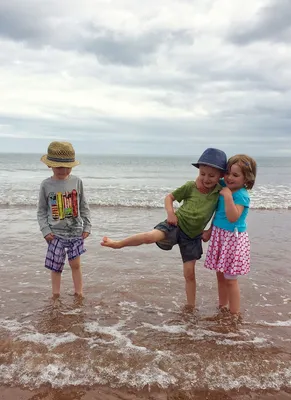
x=62 y=208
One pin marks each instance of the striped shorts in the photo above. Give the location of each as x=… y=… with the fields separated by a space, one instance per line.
x=57 y=250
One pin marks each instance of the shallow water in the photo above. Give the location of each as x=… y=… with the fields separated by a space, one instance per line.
x=129 y=337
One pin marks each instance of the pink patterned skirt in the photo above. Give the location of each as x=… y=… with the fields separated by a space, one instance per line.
x=228 y=252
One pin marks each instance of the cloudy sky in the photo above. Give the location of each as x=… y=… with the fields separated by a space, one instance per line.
x=146 y=77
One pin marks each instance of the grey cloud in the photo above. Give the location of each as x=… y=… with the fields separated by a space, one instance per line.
x=23 y=22
x=273 y=23
x=114 y=47
x=237 y=123
x=20 y=24
x=203 y=78
x=111 y=47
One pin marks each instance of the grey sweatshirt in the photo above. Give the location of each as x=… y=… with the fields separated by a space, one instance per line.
x=62 y=208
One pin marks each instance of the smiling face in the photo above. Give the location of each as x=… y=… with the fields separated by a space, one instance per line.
x=61 y=173
x=234 y=178
x=209 y=176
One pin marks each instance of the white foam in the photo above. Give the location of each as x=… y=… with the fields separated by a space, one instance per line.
x=117 y=337
x=167 y=328
x=59 y=375
x=152 y=376
x=256 y=340
x=95 y=327
x=12 y=325
x=274 y=380
x=127 y=304
x=276 y=323
x=72 y=312
x=51 y=340
x=30 y=371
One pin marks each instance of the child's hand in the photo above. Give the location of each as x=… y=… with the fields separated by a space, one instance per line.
x=85 y=235
x=49 y=237
x=172 y=219
x=225 y=192
x=206 y=235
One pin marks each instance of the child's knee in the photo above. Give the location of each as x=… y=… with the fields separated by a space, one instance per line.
x=189 y=276
x=149 y=237
x=231 y=282
x=75 y=264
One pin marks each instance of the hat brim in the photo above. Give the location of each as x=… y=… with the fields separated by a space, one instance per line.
x=56 y=164
x=209 y=165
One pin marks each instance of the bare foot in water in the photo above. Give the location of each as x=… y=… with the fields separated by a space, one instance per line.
x=106 y=242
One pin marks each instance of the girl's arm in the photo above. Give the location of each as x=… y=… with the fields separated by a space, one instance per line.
x=232 y=211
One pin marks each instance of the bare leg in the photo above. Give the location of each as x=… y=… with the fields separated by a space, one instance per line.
x=233 y=295
x=75 y=265
x=56 y=284
x=135 y=240
x=222 y=290
x=190 y=282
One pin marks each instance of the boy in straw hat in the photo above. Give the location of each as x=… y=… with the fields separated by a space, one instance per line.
x=63 y=215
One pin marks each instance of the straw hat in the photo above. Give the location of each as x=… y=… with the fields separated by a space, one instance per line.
x=60 y=154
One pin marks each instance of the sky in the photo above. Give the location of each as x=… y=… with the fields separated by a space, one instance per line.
x=146 y=77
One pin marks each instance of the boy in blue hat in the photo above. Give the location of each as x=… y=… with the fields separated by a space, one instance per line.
x=185 y=226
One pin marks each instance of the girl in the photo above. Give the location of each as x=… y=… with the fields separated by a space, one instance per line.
x=229 y=247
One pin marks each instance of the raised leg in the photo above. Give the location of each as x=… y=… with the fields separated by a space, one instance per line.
x=135 y=240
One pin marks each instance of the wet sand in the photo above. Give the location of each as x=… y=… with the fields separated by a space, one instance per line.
x=105 y=393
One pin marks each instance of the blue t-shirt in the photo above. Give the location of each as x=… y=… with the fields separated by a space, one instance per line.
x=241 y=198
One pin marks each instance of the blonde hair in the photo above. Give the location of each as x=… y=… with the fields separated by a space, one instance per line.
x=248 y=166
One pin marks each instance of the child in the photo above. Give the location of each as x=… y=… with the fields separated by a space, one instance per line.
x=229 y=247
x=63 y=215
x=186 y=225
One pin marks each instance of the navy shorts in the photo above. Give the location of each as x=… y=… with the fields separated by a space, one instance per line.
x=190 y=248
x=57 y=250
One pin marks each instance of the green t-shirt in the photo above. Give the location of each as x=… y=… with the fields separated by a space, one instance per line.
x=197 y=208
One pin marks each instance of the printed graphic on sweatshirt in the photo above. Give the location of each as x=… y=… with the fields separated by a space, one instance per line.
x=64 y=205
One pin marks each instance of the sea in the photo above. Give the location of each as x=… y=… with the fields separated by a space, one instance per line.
x=129 y=337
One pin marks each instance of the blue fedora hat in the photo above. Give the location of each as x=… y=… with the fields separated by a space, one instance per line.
x=214 y=158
